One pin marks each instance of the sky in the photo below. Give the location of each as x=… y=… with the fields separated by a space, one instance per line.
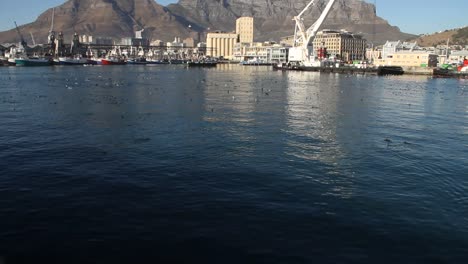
x=411 y=16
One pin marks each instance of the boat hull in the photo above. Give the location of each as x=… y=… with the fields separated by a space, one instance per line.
x=390 y=70
x=112 y=62
x=71 y=62
x=32 y=62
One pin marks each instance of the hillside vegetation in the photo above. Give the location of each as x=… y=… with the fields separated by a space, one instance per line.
x=456 y=36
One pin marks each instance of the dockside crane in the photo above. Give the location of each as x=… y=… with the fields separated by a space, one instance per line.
x=23 y=42
x=302 y=52
x=51 y=37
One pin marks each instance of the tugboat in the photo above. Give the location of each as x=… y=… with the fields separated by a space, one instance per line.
x=390 y=70
x=442 y=73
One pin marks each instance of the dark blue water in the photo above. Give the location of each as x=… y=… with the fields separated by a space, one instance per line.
x=231 y=165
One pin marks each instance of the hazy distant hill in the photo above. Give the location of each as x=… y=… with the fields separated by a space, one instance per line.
x=273 y=18
x=456 y=36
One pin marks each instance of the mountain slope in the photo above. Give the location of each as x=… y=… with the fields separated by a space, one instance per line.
x=273 y=18
x=109 y=18
x=456 y=37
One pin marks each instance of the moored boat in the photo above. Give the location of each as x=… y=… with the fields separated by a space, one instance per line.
x=443 y=73
x=33 y=62
x=137 y=61
x=4 y=62
x=158 y=61
x=73 y=61
x=203 y=63
x=113 y=61
x=390 y=70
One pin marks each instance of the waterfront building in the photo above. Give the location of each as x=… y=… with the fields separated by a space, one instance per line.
x=391 y=47
x=408 y=58
x=175 y=46
x=287 y=41
x=245 y=29
x=189 y=42
x=220 y=44
x=341 y=45
x=200 y=50
x=86 y=39
x=157 y=43
x=264 y=52
x=104 y=41
x=458 y=56
x=373 y=54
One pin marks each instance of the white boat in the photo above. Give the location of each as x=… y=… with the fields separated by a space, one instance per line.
x=73 y=61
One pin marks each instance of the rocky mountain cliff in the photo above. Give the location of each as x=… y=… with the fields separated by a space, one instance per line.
x=273 y=18
x=107 y=18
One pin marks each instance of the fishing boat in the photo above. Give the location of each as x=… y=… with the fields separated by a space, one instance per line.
x=77 y=60
x=33 y=62
x=112 y=60
x=4 y=61
x=137 y=61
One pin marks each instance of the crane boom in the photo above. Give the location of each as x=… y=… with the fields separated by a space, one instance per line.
x=23 y=42
x=52 y=23
x=312 y=31
x=303 y=37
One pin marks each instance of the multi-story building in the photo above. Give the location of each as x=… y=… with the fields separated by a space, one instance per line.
x=391 y=47
x=86 y=39
x=410 y=59
x=266 y=52
x=219 y=44
x=458 y=56
x=287 y=41
x=342 y=45
x=245 y=29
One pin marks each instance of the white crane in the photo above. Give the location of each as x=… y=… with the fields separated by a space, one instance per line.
x=301 y=52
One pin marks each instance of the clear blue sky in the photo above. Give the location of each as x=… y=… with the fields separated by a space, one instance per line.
x=412 y=16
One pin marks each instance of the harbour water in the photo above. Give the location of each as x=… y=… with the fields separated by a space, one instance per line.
x=231 y=165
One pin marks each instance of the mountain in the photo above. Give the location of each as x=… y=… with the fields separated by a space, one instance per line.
x=273 y=18
x=109 y=18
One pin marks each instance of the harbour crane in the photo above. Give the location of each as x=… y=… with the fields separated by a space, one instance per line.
x=23 y=42
x=301 y=52
x=51 y=38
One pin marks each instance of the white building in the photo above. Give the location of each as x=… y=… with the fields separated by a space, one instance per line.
x=266 y=52
x=458 y=56
x=391 y=47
